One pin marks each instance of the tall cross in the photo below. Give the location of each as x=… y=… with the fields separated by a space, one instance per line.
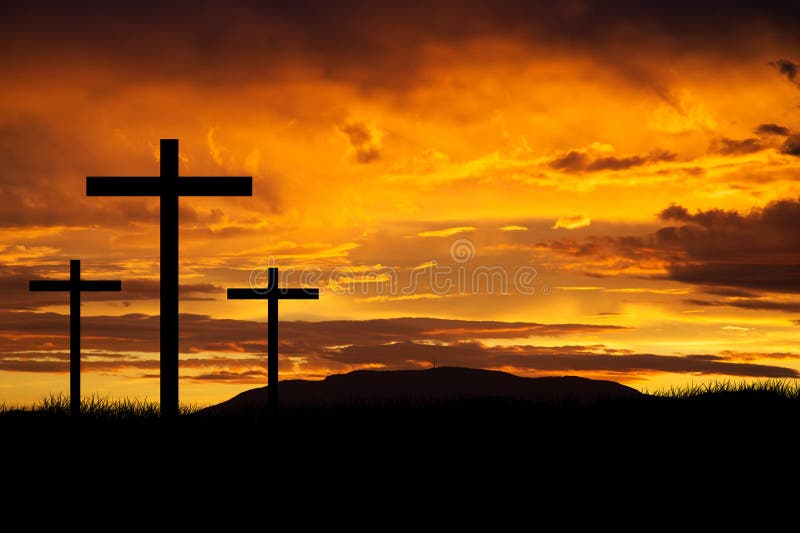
x=75 y=285
x=169 y=187
x=272 y=294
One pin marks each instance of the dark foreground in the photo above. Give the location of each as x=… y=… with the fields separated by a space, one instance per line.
x=407 y=442
x=732 y=429
x=498 y=458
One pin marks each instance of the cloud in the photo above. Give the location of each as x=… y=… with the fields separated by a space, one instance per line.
x=572 y=222
x=755 y=250
x=771 y=129
x=757 y=276
x=49 y=191
x=753 y=356
x=404 y=297
x=446 y=232
x=729 y=291
x=580 y=161
x=199 y=333
x=681 y=112
x=365 y=141
x=566 y=359
x=791 y=145
x=625 y=290
x=217 y=151
x=787 y=68
x=750 y=303
x=380 y=45
x=226 y=376
x=513 y=228
x=572 y=161
x=228 y=350
x=727 y=146
x=16 y=296
x=33 y=191
x=40 y=363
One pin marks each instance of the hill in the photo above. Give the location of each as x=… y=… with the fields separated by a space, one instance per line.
x=437 y=385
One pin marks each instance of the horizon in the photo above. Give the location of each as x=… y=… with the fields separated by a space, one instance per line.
x=592 y=189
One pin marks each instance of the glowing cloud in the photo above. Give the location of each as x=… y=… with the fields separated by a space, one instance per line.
x=513 y=228
x=572 y=222
x=446 y=232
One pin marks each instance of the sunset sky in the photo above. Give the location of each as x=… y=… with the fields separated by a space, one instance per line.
x=605 y=189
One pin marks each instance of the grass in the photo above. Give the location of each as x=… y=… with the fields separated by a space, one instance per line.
x=106 y=408
x=95 y=407
x=722 y=389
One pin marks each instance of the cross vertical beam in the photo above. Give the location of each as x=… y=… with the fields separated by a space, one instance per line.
x=169 y=278
x=272 y=342
x=272 y=294
x=74 y=286
x=74 y=336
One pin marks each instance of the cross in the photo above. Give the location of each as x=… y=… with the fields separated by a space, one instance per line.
x=272 y=294
x=75 y=285
x=168 y=186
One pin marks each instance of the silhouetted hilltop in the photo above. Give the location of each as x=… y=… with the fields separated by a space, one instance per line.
x=412 y=387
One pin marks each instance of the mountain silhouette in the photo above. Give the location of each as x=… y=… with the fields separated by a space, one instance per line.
x=420 y=387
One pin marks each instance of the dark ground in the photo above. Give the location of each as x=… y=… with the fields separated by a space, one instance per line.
x=399 y=442
x=514 y=459
x=754 y=430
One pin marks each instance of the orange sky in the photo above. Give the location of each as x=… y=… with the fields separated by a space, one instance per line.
x=546 y=144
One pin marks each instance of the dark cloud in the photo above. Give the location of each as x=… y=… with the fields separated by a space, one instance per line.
x=771 y=129
x=575 y=161
x=571 y=161
x=757 y=250
x=729 y=291
x=42 y=364
x=791 y=145
x=364 y=143
x=225 y=376
x=727 y=146
x=675 y=212
x=16 y=296
x=718 y=234
x=233 y=349
x=787 y=68
x=752 y=356
x=757 y=276
x=199 y=333
x=621 y=163
x=749 y=303
x=554 y=359
x=375 y=43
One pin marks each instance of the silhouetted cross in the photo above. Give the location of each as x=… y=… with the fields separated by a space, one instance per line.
x=272 y=294
x=169 y=187
x=75 y=285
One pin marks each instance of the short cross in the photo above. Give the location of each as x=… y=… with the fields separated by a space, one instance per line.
x=75 y=285
x=272 y=293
